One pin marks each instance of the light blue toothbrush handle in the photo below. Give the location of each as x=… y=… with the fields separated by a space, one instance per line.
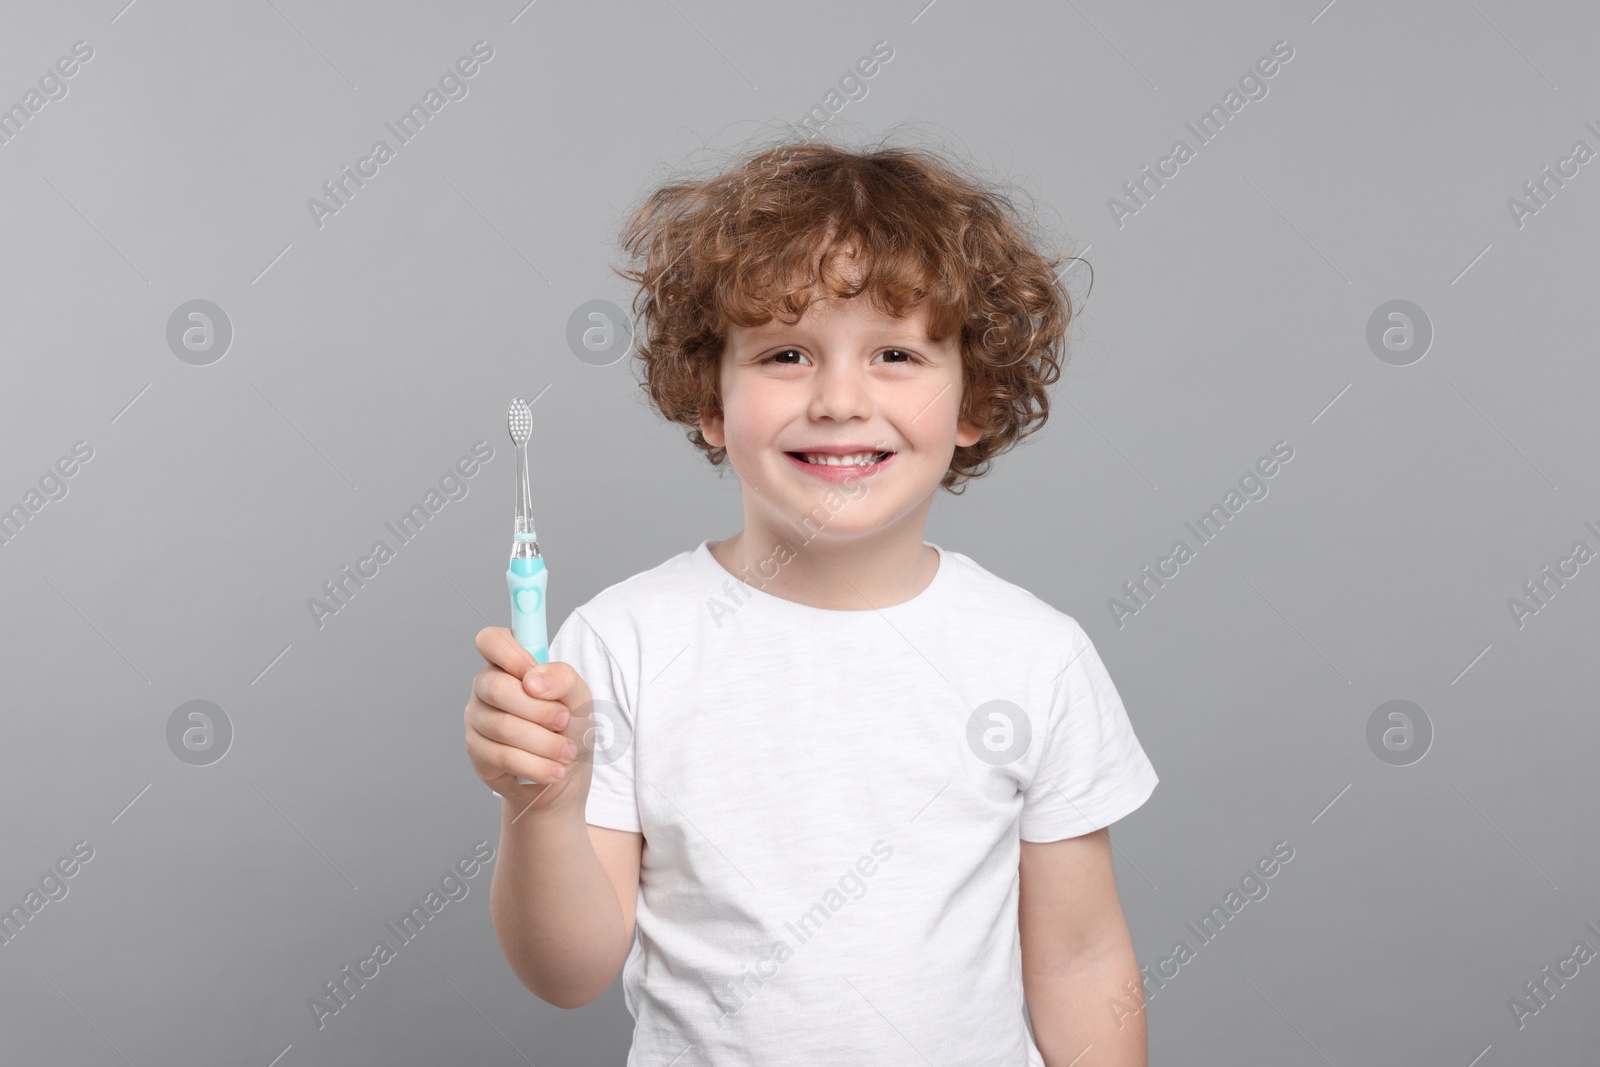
x=526 y=579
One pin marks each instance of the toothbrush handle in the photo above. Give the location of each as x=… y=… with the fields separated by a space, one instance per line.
x=526 y=579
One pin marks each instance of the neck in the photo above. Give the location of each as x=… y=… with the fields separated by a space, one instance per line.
x=858 y=573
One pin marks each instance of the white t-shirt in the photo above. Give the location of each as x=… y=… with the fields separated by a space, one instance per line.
x=832 y=803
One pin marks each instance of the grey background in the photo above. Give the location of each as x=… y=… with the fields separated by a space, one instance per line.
x=368 y=355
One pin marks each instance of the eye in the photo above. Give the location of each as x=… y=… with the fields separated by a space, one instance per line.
x=781 y=357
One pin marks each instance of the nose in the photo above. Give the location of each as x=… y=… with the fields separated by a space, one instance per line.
x=841 y=390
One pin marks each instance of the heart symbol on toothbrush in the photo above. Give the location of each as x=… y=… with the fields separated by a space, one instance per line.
x=527 y=599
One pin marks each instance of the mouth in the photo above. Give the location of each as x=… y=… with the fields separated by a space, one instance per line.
x=864 y=458
x=837 y=468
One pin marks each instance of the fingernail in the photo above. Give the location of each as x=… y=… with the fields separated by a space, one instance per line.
x=568 y=751
x=536 y=681
x=562 y=718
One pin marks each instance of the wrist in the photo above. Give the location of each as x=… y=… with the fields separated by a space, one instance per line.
x=526 y=805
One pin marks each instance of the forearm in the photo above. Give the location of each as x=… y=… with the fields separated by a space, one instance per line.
x=554 y=909
x=1090 y=1014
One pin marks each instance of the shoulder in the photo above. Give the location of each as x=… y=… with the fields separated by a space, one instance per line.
x=1025 y=616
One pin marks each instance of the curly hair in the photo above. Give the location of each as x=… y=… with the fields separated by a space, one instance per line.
x=761 y=239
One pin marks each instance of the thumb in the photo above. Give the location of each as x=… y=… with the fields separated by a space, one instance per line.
x=560 y=682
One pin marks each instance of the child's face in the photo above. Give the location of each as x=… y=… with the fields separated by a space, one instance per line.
x=845 y=376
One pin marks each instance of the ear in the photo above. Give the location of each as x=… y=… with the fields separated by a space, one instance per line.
x=711 y=429
x=967 y=433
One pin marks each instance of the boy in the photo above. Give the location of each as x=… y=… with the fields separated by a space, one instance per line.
x=848 y=787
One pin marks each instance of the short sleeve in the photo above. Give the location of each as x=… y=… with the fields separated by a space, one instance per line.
x=1093 y=771
x=611 y=802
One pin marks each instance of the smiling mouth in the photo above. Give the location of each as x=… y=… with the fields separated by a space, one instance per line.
x=824 y=459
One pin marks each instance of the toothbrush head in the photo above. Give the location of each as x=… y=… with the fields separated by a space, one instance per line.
x=519 y=421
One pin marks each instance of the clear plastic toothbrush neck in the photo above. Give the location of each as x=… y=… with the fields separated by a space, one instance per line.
x=525 y=544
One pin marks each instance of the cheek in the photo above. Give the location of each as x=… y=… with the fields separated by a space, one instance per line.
x=928 y=416
x=752 y=414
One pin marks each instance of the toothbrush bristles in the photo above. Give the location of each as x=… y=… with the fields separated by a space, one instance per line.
x=519 y=420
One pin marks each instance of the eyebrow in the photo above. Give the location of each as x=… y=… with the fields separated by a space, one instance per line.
x=776 y=328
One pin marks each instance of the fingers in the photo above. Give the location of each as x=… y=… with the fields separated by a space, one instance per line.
x=499 y=648
x=506 y=729
x=546 y=681
x=491 y=758
x=499 y=691
x=519 y=709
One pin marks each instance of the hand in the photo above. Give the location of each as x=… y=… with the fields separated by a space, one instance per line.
x=514 y=728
